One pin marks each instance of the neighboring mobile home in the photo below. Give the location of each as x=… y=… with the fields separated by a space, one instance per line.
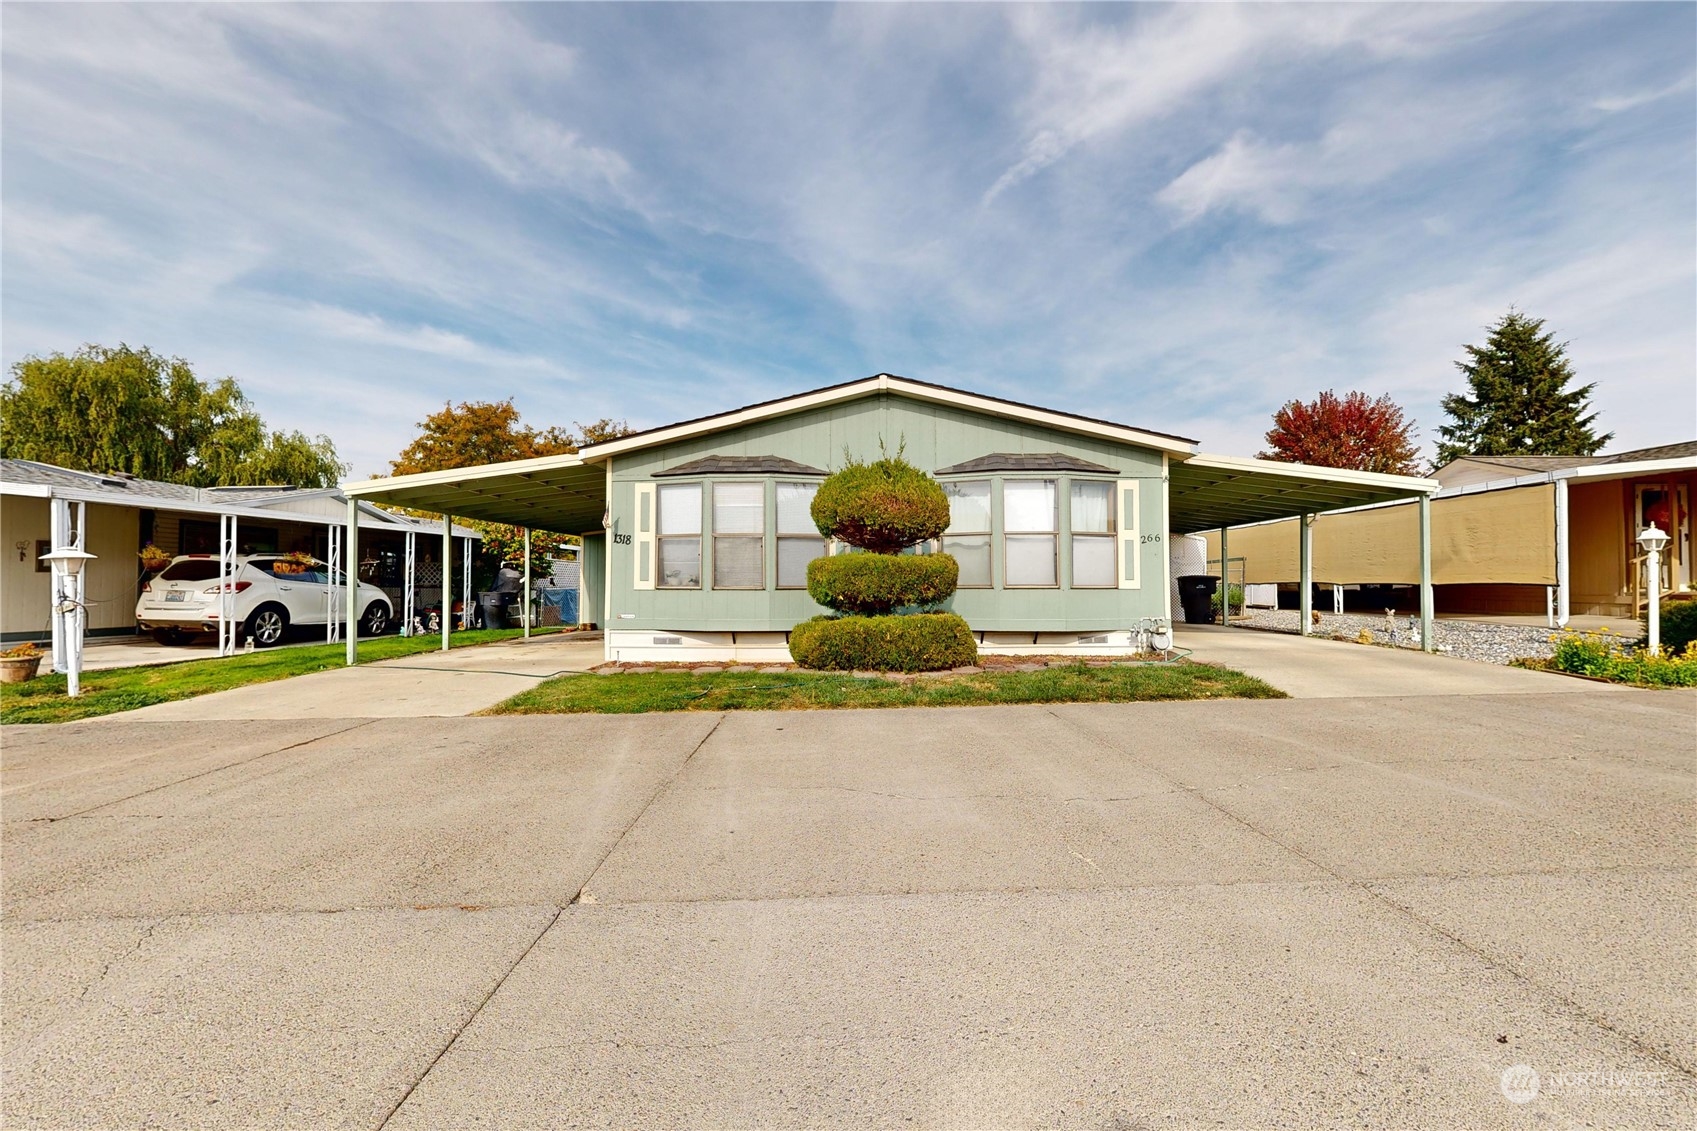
x=122 y=514
x=1551 y=536
x=697 y=535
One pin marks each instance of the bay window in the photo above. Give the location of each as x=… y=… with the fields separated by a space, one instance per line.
x=679 y=536
x=739 y=535
x=799 y=541
x=1031 y=526
x=967 y=539
x=1092 y=516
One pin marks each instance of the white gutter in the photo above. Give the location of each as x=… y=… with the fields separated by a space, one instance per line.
x=1317 y=474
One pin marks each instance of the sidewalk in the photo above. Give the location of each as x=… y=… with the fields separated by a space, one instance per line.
x=440 y=684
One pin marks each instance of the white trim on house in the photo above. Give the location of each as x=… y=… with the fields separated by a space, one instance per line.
x=1319 y=474
x=883 y=383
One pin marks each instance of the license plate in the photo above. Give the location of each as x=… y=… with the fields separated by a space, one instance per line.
x=176 y=595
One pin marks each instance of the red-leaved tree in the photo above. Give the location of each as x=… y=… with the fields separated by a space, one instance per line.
x=1353 y=431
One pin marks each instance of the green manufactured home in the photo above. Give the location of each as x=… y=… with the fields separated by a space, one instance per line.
x=697 y=535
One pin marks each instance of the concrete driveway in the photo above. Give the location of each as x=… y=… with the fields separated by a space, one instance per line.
x=1297 y=913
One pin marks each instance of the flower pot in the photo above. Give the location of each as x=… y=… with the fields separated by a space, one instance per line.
x=17 y=669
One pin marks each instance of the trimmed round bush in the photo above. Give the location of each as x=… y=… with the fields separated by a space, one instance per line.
x=919 y=642
x=870 y=584
x=881 y=506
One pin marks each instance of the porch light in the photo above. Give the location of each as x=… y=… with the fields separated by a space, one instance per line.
x=70 y=560
x=1653 y=539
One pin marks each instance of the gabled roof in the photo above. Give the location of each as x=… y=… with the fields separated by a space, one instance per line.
x=901 y=386
x=1025 y=461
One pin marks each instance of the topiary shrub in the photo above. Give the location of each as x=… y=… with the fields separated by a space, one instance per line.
x=883 y=506
x=917 y=642
x=1678 y=622
x=873 y=584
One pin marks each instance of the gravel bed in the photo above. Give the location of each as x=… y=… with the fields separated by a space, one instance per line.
x=1469 y=640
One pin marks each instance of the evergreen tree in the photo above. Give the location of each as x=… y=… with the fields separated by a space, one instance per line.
x=1518 y=402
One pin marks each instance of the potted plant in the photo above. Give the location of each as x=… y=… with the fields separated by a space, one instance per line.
x=20 y=663
x=153 y=559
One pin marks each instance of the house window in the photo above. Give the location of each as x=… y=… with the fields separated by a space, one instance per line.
x=680 y=536
x=1030 y=520
x=798 y=539
x=739 y=535
x=967 y=539
x=1093 y=535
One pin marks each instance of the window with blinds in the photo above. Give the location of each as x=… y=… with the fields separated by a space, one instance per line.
x=679 y=536
x=967 y=539
x=1092 y=515
x=798 y=539
x=1031 y=539
x=739 y=535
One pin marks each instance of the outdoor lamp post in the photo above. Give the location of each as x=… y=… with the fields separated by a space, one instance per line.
x=1653 y=539
x=67 y=564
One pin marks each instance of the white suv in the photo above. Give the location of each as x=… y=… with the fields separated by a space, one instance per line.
x=273 y=591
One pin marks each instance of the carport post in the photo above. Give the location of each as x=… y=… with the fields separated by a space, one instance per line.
x=1305 y=573
x=350 y=569
x=1564 y=591
x=1225 y=582
x=447 y=575
x=1426 y=642
x=527 y=583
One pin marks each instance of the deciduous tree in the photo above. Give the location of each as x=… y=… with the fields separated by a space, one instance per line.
x=120 y=409
x=1354 y=431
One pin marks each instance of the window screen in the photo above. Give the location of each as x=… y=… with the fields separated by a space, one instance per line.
x=679 y=536
x=739 y=528
x=1092 y=515
x=1030 y=518
x=968 y=538
x=799 y=541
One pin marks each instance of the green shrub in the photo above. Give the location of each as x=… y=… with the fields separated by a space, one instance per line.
x=920 y=642
x=1679 y=623
x=880 y=506
x=871 y=584
x=1606 y=656
x=1236 y=596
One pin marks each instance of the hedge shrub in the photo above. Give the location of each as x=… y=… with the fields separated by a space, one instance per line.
x=872 y=584
x=880 y=506
x=919 y=642
x=1679 y=623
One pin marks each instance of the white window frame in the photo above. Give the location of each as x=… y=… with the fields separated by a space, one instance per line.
x=1053 y=534
x=712 y=497
x=780 y=537
x=988 y=533
x=1111 y=535
x=660 y=536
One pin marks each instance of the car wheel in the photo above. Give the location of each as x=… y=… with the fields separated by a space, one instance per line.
x=376 y=619
x=267 y=626
x=168 y=636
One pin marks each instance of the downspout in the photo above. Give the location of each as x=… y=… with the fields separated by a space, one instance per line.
x=607 y=568
x=1167 y=537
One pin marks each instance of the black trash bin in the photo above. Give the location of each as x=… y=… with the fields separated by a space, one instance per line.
x=1196 y=594
x=492 y=608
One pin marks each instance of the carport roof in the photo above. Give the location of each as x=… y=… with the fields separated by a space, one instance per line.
x=559 y=493
x=1207 y=492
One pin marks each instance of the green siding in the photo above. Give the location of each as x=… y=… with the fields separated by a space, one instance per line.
x=932 y=436
x=591 y=609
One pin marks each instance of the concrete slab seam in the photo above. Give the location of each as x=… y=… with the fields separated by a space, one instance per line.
x=1366 y=887
x=472 y=1016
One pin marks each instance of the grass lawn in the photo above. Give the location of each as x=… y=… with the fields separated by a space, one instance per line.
x=43 y=699
x=631 y=693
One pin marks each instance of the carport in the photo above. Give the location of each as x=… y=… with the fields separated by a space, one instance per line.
x=1216 y=493
x=561 y=494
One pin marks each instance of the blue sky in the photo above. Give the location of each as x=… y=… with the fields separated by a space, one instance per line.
x=1178 y=217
